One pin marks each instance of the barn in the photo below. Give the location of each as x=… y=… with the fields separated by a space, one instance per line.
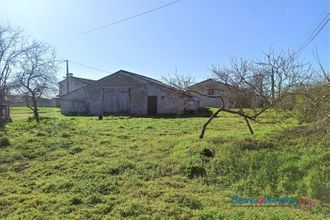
x=126 y=93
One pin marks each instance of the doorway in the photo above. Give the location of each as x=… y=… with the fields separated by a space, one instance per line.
x=152 y=105
x=116 y=101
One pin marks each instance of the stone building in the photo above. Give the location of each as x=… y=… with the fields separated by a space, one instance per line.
x=210 y=87
x=72 y=83
x=126 y=93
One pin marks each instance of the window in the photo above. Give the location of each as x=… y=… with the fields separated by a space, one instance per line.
x=211 y=91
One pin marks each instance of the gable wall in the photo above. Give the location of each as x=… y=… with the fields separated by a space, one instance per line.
x=168 y=101
x=204 y=88
x=75 y=102
x=73 y=85
x=116 y=81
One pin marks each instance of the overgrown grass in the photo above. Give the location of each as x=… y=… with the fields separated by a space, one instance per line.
x=123 y=167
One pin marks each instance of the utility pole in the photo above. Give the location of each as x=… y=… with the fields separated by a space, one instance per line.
x=67 y=76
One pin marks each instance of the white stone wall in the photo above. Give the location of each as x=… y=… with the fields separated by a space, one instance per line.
x=205 y=87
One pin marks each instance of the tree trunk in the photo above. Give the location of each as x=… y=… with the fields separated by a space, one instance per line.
x=273 y=85
x=36 y=115
x=35 y=109
x=248 y=124
x=2 y=96
x=208 y=122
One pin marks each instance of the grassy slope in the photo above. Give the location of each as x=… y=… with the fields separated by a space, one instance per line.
x=80 y=167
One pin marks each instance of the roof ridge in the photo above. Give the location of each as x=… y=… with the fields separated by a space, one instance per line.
x=83 y=78
x=206 y=81
x=151 y=79
x=79 y=78
x=155 y=81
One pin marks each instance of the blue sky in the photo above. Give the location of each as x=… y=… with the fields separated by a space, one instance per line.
x=189 y=36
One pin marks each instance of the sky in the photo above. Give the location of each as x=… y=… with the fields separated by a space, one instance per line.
x=188 y=37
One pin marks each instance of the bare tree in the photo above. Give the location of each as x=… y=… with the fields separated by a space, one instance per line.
x=11 y=48
x=37 y=76
x=282 y=72
x=179 y=81
x=265 y=82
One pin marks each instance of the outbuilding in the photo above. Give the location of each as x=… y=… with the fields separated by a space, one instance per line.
x=206 y=89
x=126 y=93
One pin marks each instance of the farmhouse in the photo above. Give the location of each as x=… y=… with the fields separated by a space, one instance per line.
x=126 y=93
x=210 y=87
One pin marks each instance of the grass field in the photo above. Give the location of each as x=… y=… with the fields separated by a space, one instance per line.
x=152 y=168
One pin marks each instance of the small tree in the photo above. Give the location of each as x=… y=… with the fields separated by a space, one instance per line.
x=37 y=76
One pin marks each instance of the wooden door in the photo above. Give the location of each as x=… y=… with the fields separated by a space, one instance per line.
x=123 y=102
x=116 y=101
x=152 y=105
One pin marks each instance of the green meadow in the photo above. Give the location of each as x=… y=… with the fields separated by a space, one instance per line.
x=157 y=168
